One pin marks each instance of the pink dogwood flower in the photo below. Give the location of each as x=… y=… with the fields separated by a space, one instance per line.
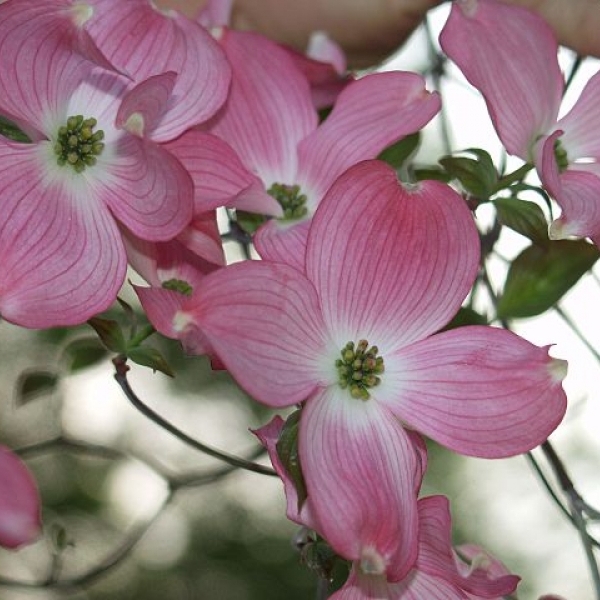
x=270 y=122
x=323 y=64
x=438 y=573
x=142 y=41
x=351 y=336
x=89 y=164
x=510 y=55
x=20 y=521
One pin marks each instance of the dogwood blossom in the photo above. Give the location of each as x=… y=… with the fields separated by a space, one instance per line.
x=510 y=55
x=351 y=337
x=438 y=573
x=270 y=122
x=62 y=255
x=141 y=41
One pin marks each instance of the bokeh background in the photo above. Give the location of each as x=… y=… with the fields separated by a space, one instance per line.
x=225 y=537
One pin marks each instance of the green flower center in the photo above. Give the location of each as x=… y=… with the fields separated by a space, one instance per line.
x=359 y=368
x=561 y=156
x=290 y=199
x=77 y=143
x=178 y=285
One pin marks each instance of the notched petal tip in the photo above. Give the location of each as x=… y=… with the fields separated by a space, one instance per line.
x=181 y=320
x=135 y=124
x=468 y=7
x=558 y=368
x=559 y=230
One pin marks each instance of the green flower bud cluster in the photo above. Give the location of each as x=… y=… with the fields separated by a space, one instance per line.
x=178 y=285
x=78 y=144
x=359 y=369
x=561 y=156
x=290 y=199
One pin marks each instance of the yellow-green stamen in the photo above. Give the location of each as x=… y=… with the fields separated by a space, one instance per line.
x=561 y=155
x=290 y=199
x=359 y=368
x=77 y=143
x=178 y=285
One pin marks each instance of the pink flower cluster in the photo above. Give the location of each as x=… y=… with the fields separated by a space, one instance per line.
x=141 y=124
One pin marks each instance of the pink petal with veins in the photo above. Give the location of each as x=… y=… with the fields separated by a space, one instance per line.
x=575 y=190
x=373 y=260
x=220 y=178
x=269 y=109
x=510 y=55
x=362 y=476
x=39 y=63
x=581 y=125
x=62 y=254
x=435 y=576
x=454 y=387
x=143 y=41
x=283 y=242
x=143 y=106
x=264 y=318
x=269 y=436
x=146 y=188
x=359 y=128
x=202 y=237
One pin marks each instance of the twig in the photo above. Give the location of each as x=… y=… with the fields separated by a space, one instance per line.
x=121 y=369
x=577 y=510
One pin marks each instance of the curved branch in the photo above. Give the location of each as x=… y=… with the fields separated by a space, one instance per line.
x=121 y=369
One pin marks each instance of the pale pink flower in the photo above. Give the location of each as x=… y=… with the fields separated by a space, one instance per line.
x=351 y=337
x=510 y=55
x=90 y=163
x=270 y=122
x=20 y=521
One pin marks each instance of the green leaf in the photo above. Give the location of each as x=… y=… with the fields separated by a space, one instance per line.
x=524 y=217
x=31 y=385
x=287 y=450
x=84 y=353
x=478 y=176
x=110 y=333
x=9 y=130
x=435 y=173
x=541 y=192
x=396 y=154
x=540 y=276
x=466 y=316
x=146 y=356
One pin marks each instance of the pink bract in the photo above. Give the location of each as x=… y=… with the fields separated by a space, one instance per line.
x=390 y=265
x=142 y=41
